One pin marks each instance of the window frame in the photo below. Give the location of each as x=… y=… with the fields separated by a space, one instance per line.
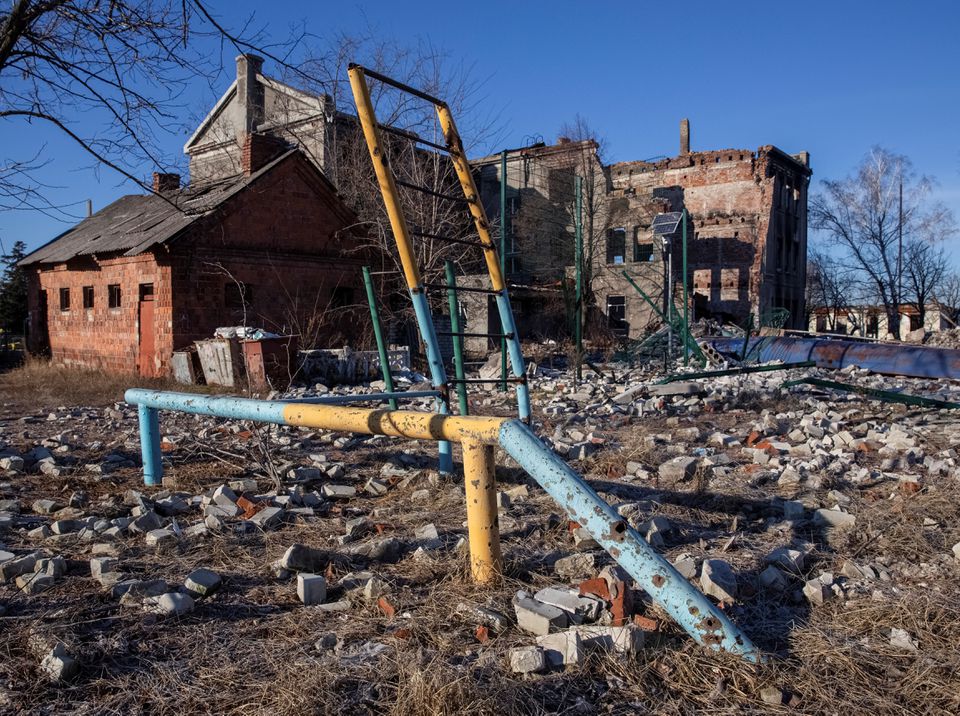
x=114 y=296
x=64 y=299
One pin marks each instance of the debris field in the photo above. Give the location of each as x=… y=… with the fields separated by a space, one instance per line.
x=282 y=570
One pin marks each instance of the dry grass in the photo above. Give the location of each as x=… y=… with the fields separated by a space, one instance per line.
x=39 y=383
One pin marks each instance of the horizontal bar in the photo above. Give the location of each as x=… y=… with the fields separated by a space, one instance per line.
x=885 y=395
x=398 y=85
x=368 y=421
x=461 y=334
x=477 y=381
x=431 y=192
x=736 y=371
x=412 y=137
x=466 y=289
x=450 y=239
x=653 y=573
x=366 y=397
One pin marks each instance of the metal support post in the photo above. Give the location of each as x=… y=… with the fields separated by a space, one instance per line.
x=503 y=259
x=686 y=318
x=479 y=470
x=457 y=340
x=150 y=445
x=578 y=302
x=378 y=335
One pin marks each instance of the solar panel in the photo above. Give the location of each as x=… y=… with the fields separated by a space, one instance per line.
x=666 y=224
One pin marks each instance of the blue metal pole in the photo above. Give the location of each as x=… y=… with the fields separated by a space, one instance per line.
x=654 y=574
x=150 y=445
x=516 y=354
x=438 y=373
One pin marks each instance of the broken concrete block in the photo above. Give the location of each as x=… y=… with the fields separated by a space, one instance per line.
x=202 y=582
x=901 y=639
x=488 y=617
x=300 y=558
x=54 y=567
x=375 y=588
x=58 y=665
x=18 y=566
x=678 y=469
x=686 y=565
x=562 y=648
x=223 y=512
x=792 y=560
x=376 y=487
x=833 y=518
x=773 y=579
x=816 y=592
x=718 y=580
x=46 y=507
x=574 y=567
x=267 y=518
x=311 y=588
x=145 y=523
x=627 y=639
x=160 y=538
x=527 y=660
x=34 y=583
x=956 y=551
x=224 y=496
x=536 y=617
x=578 y=608
x=339 y=492
x=584 y=540
x=171 y=604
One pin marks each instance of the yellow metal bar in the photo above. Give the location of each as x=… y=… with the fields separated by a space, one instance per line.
x=401 y=423
x=486 y=559
x=462 y=167
x=388 y=187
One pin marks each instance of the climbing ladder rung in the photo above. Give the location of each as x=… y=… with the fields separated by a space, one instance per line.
x=475 y=381
x=399 y=85
x=466 y=289
x=431 y=192
x=439 y=237
x=461 y=334
x=412 y=137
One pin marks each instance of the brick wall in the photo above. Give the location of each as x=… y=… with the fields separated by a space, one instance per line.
x=100 y=337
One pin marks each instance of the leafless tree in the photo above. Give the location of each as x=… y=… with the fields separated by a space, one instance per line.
x=108 y=74
x=827 y=286
x=948 y=296
x=860 y=216
x=347 y=161
x=924 y=270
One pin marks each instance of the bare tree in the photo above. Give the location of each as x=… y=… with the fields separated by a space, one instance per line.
x=948 y=297
x=827 y=286
x=122 y=66
x=860 y=215
x=347 y=161
x=924 y=270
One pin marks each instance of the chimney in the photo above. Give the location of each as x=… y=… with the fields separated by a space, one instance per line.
x=249 y=95
x=165 y=182
x=684 y=136
x=259 y=150
x=89 y=207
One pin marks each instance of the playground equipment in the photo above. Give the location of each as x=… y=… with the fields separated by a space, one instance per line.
x=478 y=436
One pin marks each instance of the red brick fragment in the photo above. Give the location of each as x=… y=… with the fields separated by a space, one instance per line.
x=595 y=588
x=645 y=623
x=482 y=634
x=386 y=607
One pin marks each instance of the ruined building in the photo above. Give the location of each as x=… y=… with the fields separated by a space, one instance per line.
x=746 y=232
x=259 y=237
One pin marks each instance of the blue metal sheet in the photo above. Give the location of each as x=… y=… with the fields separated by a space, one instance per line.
x=887 y=358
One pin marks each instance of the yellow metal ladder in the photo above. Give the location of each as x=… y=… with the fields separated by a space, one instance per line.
x=404 y=237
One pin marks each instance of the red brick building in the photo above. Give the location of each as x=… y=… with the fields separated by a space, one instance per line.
x=147 y=275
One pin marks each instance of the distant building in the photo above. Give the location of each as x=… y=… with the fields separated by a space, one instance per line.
x=872 y=322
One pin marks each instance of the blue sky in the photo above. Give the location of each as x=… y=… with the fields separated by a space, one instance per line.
x=831 y=78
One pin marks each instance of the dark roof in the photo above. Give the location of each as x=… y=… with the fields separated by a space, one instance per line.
x=134 y=223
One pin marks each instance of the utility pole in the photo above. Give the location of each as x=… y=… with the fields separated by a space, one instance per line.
x=900 y=251
x=578 y=261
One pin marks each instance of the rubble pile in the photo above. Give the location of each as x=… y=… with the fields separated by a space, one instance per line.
x=752 y=492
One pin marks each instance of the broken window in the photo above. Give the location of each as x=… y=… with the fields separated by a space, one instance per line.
x=64 y=299
x=643 y=252
x=341 y=297
x=821 y=324
x=616 y=245
x=113 y=295
x=88 y=296
x=236 y=294
x=873 y=326
x=617 y=315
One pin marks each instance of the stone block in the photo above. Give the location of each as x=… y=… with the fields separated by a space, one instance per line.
x=311 y=588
